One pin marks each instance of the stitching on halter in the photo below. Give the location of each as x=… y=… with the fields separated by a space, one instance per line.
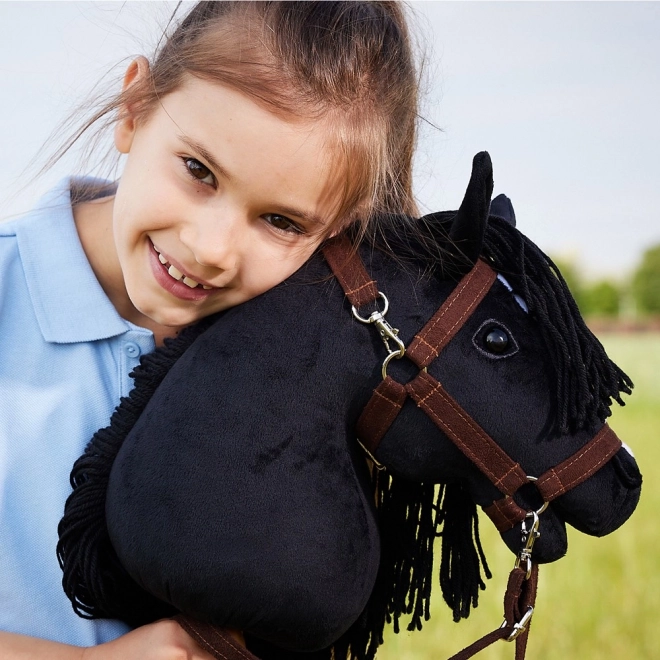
x=473 y=457
x=577 y=457
x=466 y=312
x=386 y=422
x=359 y=288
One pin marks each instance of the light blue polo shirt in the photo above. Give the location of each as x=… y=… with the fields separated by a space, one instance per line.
x=65 y=356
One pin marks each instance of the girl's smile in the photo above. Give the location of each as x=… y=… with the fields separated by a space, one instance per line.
x=219 y=201
x=177 y=282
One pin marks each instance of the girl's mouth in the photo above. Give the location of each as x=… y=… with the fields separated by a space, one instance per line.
x=175 y=273
x=174 y=281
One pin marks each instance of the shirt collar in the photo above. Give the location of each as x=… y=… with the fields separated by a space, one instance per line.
x=69 y=303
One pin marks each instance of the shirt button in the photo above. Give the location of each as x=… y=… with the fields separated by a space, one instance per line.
x=131 y=349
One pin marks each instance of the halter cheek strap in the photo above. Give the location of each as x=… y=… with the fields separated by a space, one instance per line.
x=475 y=443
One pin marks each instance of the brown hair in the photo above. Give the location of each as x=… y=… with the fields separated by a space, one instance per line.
x=350 y=62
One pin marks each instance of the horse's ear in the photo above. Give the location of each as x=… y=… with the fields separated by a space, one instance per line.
x=501 y=207
x=469 y=226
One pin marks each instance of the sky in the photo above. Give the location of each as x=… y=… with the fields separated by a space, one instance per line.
x=563 y=95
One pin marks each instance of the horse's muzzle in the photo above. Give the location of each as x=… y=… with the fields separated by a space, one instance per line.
x=596 y=507
x=617 y=502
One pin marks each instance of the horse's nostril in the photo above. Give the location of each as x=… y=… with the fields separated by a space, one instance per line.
x=626 y=469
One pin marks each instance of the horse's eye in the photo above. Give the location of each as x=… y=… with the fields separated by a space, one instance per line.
x=496 y=341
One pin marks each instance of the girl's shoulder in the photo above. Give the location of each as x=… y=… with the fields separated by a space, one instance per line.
x=26 y=238
x=50 y=222
x=46 y=278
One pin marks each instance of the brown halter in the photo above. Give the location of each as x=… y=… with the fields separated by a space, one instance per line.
x=447 y=414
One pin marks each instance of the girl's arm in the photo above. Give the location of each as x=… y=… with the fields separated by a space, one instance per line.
x=163 y=640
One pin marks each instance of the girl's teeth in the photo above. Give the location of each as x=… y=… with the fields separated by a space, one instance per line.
x=175 y=272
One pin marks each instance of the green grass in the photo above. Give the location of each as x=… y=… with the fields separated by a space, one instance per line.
x=603 y=599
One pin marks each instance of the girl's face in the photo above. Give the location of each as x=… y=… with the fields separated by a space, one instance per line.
x=219 y=201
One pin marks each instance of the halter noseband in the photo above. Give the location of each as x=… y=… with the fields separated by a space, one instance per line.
x=449 y=416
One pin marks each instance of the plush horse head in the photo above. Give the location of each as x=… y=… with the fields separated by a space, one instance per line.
x=231 y=485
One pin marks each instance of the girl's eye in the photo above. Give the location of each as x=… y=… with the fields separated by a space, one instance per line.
x=199 y=171
x=282 y=223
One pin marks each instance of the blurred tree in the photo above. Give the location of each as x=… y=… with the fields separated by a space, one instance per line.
x=601 y=299
x=646 y=282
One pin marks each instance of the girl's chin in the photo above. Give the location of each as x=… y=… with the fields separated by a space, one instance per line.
x=175 y=322
x=165 y=320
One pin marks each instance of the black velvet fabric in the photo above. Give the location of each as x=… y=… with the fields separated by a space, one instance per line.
x=241 y=496
x=238 y=496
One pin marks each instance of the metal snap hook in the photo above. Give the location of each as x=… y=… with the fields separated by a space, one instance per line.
x=520 y=626
x=385 y=330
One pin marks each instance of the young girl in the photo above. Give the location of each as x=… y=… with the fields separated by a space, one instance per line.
x=257 y=131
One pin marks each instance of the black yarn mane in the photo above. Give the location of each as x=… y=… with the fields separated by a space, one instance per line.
x=586 y=379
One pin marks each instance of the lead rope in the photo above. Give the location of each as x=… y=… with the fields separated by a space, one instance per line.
x=215 y=641
x=519 y=598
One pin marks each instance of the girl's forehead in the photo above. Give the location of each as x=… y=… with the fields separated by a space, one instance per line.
x=207 y=104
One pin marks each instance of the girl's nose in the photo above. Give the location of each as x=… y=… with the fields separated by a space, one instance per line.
x=215 y=242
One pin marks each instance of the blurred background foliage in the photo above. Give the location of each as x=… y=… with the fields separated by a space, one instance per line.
x=634 y=297
x=646 y=282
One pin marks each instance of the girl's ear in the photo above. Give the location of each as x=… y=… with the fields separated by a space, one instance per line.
x=136 y=74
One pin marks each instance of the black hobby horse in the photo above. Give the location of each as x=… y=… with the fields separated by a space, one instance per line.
x=231 y=486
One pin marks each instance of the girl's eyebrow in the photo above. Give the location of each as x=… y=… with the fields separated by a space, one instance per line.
x=205 y=154
x=306 y=216
x=310 y=218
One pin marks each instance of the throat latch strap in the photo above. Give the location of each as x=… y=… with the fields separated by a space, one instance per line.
x=348 y=268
